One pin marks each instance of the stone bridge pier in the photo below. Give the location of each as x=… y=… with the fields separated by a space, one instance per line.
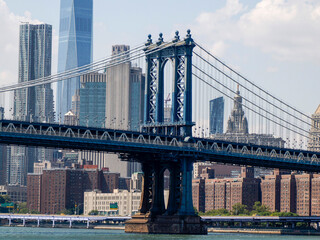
x=179 y=216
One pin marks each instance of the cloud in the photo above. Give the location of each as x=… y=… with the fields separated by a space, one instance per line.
x=9 y=43
x=287 y=30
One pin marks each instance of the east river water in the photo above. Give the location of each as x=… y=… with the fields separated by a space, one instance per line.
x=26 y=233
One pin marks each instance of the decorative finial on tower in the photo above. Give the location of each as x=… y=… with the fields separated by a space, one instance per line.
x=149 y=40
x=160 y=39
x=188 y=38
x=176 y=37
x=238 y=87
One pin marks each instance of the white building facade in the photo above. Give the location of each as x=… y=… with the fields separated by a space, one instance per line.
x=127 y=203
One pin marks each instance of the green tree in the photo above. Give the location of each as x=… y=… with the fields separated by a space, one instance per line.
x=240 y=209
x=5 y=199
x=195 y=210
x=284 y=214
x=66 y=212
x=218 y=212
x=22 y=208
x=93 y=212
x=260 y=209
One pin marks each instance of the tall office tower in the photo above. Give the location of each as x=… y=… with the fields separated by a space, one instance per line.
x=124 y=104
x=92 y=100
x=75 y=48
x=34 y=103
x=314 y=134
x=92 y=111
x=124 y=94
x=216 y=115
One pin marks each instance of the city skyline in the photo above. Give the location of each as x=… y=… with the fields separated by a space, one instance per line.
x=275 y=63
x=112 y=133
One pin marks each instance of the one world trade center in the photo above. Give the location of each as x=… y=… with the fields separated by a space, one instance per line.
x=75 y=48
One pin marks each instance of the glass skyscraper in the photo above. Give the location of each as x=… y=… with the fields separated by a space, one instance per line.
x=34 y=103
x=75 y=48
x=92 y=100
x=35 y=49
x=216 y=115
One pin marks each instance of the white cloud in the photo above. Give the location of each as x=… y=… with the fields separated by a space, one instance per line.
x=287 y=30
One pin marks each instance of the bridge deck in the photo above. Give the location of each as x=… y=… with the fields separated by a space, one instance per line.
x=139 y=144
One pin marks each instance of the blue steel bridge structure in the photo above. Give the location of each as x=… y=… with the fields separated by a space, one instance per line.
x=195 y=77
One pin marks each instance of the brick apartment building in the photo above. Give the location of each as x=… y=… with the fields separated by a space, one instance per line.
x=297 y=193
x=57 y=189
x=209 y=193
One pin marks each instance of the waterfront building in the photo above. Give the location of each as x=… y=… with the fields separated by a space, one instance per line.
x=58 y=189
x=297 y=193
x=209 y=194
x=120 y=202
x=216 y=115
x=303 y=194
x=270 y=192
x=75 y=48
x=315 y=195
x=117 y=203
x=34 y=181
x=287 y=193
x=314 y=135
x=17 y=193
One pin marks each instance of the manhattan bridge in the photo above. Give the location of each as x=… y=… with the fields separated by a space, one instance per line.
x=184 y=70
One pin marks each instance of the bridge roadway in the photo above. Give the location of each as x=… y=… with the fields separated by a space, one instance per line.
x=54 y=219
x=132 y=145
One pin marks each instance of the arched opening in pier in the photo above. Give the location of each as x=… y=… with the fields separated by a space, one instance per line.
x=168 y=81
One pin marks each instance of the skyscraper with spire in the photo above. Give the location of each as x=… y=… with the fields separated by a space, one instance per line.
x=237 y=122
x=75 y=48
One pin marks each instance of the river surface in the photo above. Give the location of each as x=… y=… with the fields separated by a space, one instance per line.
x=27 y=233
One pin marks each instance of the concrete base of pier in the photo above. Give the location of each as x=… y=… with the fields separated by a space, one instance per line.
x=166 y=225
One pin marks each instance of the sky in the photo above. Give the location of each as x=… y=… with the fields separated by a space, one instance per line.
x=274 y=43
